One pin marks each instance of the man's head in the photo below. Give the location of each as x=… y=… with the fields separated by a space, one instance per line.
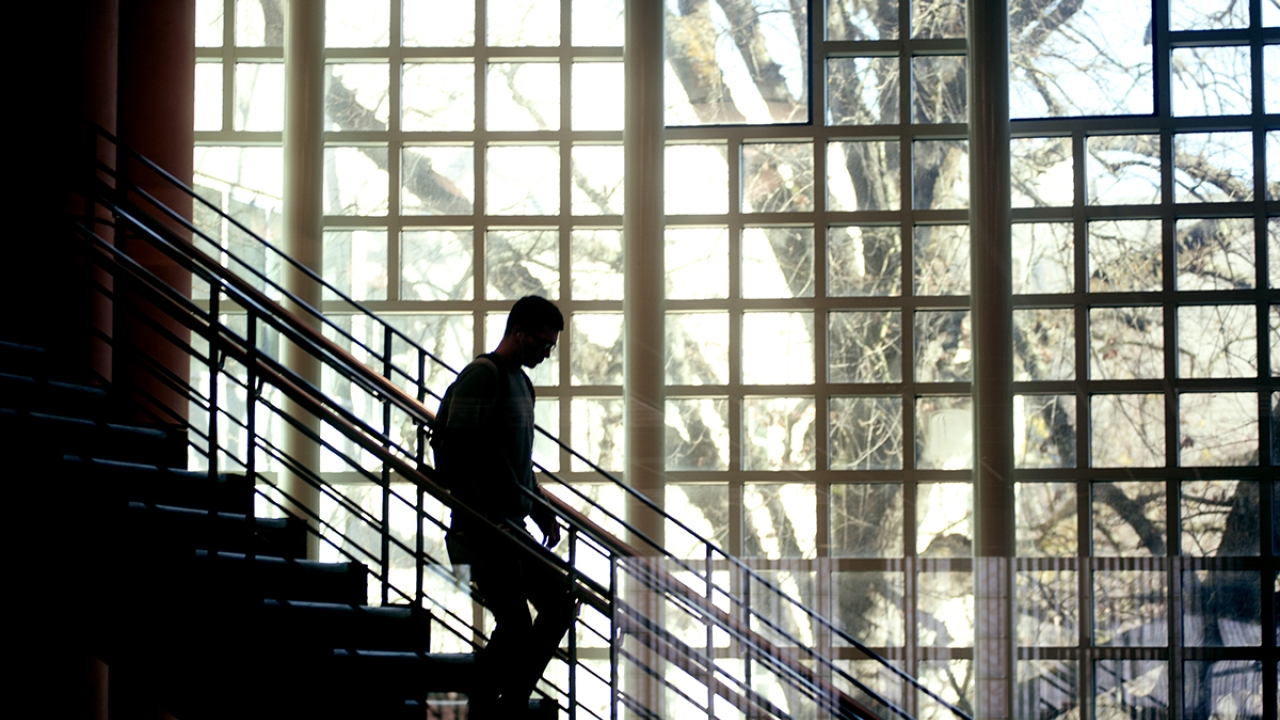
x=533 y=328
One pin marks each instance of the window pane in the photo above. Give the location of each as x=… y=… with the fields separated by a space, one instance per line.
x=1222 y=689
x=777 y=177
x=1123 y=169
x=1043 y=258
x=944 y=520
x=597 y=180
x=355 y=261
x=1207 y=14
x=522 y=96
x=1125 y=689
x=521 y=262
x=1047 y=688
x=863 y=175
x=437 y=180
x=773 y=608
x=944 y=433
x=942 y=346
x=696 y=180
x=1044 y=344
x=697 y=348
x=436 y=265
x=777 y=348
x=940 y=178
x=777 y=262
x=209 y=14
x=1270 y=73
x=259 y=97
x=1220 y=518
x=866 y=261
x=438 y=23
x=597 y=99
x=598 y=23
x=246 y=183
x=523 y=22
x=937 y=18
x=208 y=110
x=862 y=91
x=860 y=20
x=1218 y=429
x=1129 y=519
x=697 y=263
x=938 y=91
x=438 y=97
x=355 y=180
x=951 y=680
x=864 y=347
x=941 y=259
x=1215 y=253
x=1273 y=252
x=944 y=615
x=356 y=23
x=254 y=29
x=448 y=336
x=1211 y=80
x=356 y=96
x=1046 y=519
x=596 y=257
x=546 y=415
x=778 y=434
x=1126 y=343
x=1127 y=430
x=522 y=180
x=704 y=509
x=1217 y=341
x=1042 y=172
x=697 y=437
x=1130 y=609
x=596 y=349
x=1045 y=431
x=597 y=432
x=1125 y=256
x=1213 y=167
x=1221 y=608
x=1048 y=608
x=778 y=520
x=866 y=433
x=868 y=606
x=866 y=520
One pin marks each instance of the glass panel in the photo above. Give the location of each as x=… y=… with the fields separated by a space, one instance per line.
x=523 y=22
x=1048 y=608
x=938 y=92
x=1047 y=689
x=866 y=260
x=944 y=433
x=1126 y=342
x=777 y=348
x=1218 y=429
x=436 y=265
x=1221 y=608
x=246 y=183
x=1123 y=169
x=1130 y=608
x=209 y=14
x=864 y=175
x=597 y=99
x=696 y=180
x=697 y=263
x=259 y=97
x=522 y=180
x=875 y=675
x=940 y=174
x=355 y=261
x=597 y=180
x=941 y=259
x=437 y=180
x=1126 y=430
x=704 y=509
x=697 y=348
x=1046 y=519
x=1096 y=60
x=778 y=434
x=746 y=63
x=864 y=347
x=1129 y=519
x=937 y=18
x=1207 y=14
x=953 y=681
x=355 y=180
x=449 y=337
x=779 y=520
x=862 y=90
x=1273 y=252
x=1270 y=13
x=1043 y=258
x=1042 y=172
x=356 y=23
x=438 y=23
x=597 y=432
x=942 y=346
x=1213 y=167
x=1217 y=341
x=596 y=349
x=522 y=96
x=259 y=24
x=944 y=520
x=1215 y=254
x=866 y=433
x=356 y=96
x=521 y=262
x=777 y=177
x=866 y=520
x=1220 y=518
x=697 y=436
x=1271 y=80
x=598 y=23
x=1048 y=431
x=1222 y=690
x=777 y=262
x=1211 y=81
x=208 y=110
x=546 y=373
x=945 y=613
x=1124 y=256
x=861 y=20
x=775 y=606
x=1274 y=315
x=1044 y=344
x=596 y=257
x=546 y=415
x=437 y=97
x=868 y=606
x=1130 y=689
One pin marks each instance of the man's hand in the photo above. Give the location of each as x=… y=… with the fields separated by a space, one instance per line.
x=550 y=529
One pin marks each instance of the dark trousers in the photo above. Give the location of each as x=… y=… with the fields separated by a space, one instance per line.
x=520 y=647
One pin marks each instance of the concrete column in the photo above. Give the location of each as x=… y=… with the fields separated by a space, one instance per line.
x=994 y=545
x=155 y=117
x=303 y=213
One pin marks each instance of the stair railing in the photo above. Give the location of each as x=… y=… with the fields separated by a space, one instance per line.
x=726 y=614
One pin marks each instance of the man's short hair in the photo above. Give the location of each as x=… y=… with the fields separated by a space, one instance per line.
x=534 y=313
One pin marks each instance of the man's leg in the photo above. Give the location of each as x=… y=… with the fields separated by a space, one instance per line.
x=549 y=594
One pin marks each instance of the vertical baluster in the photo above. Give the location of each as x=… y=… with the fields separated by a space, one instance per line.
x=711 y=646
x=251 y=424
x=420 y=451
x=573 y=628
x=386 y=468
x=746 y=617
x=214 y=328
x=615 y=637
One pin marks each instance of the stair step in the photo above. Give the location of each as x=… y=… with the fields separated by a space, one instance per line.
x=265 y=576
x=20 y=392
x=377 y=628
x=51 y=436
x=161 y=485
x=18 y=359
x=179 y=527
x=406 y=675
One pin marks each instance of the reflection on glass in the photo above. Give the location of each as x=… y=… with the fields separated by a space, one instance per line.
x=1045 y=431
x=1213 y=167
x=866 y=520
x=259 y=97
x=1127 y=430
x=864 y=260
x=436 y=265
x=952 y=680
x=697 y=263
x=522 y=96
x=941 y=259
x=1043 y=258
x=779 y=520
x=778 y=433
x=208 y=92
x=876 y=676
x=775 y=614
x=697 y=348
x=596 y=349
x=1217 y=429
x=356 y=96
x=940 y=174
x=1125 y=689
x=522 y=180
x=1129 y=519
x=868 y=606
x=1123 y=169
x=1124 y=256
x=944 y=520
x=1048 y=608
x=1220 y=518
x=777 y=177
x=355 y=261
x=356 y=23
x=862 y=90
x=944 y=616
x=1215 y=253
x=1043 y=344
x=1041 y=171
x=1130 y=609
x=521 y=262
x=942 y=346
x=1126 y=343
x=355 y=180
x=696 y=180
x=1047 y=688
x=697 y=435
x=704 y=509
x=1211 y=81
x=596 y=257
x=438 y=23
x=1217 y=341
x=777 y=348
x=523 y=22
x=1221 y=608
x=864 y=346
x=1046 y=519
x=597 y=432
x=866 y=433
x=597 y=100
x=777 y=262
x=437 y=97
x=944 y=433
x=938 y=92
x=1222 y=689
x=437 y=180
x=864 y=175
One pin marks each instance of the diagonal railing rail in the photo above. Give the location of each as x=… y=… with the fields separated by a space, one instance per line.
x=702 y=642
